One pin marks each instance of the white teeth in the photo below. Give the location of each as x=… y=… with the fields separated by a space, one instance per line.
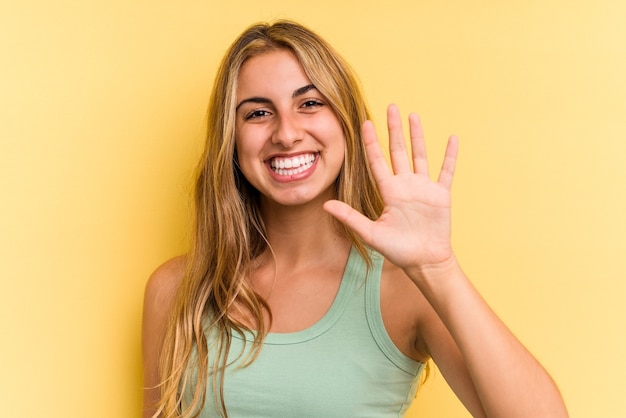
x=291 y=166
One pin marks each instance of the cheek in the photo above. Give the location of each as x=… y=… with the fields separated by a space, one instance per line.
x=246 y=159
x=242 y=161
x=249 y=141
x=244 y=148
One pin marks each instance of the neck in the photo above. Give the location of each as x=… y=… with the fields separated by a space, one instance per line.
x=301 y=234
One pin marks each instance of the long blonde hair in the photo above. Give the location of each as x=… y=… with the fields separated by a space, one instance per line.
x=229 y=230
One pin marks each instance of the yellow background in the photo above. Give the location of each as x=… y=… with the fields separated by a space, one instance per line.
x=102 y=108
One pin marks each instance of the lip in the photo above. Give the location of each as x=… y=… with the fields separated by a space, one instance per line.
x=291 y=174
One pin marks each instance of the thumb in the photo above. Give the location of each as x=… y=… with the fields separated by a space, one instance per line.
x=350 y=217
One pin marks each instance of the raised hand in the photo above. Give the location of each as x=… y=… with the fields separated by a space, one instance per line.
x=413 y=232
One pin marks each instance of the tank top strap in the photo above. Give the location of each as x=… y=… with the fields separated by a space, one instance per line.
x=375 y=320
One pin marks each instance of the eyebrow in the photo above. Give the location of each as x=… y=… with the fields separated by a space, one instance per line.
x=256 y=99
x=303 y=90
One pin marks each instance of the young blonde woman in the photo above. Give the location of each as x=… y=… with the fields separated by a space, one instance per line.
x=320 y=280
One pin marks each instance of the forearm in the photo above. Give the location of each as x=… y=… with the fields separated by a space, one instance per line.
x=509 y=381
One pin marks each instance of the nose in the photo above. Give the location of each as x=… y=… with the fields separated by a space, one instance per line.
x=288 y=130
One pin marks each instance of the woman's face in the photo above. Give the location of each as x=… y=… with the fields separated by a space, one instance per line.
x=289 y=142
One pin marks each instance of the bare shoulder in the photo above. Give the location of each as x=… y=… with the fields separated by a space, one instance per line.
x=159 y=296
x=164 y=281
x=158 y=299
x=404 y=309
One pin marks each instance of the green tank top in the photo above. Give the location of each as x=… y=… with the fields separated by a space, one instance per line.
x=345 y=365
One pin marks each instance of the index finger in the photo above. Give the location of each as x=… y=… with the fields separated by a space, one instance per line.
x=375 y=157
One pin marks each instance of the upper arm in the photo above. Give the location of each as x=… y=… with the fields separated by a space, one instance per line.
x=441 y=347
x=158 y=299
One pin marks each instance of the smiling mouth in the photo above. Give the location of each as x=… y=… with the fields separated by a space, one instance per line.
x=292 y=165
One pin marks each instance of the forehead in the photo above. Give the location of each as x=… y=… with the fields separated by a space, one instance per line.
x=270 y=73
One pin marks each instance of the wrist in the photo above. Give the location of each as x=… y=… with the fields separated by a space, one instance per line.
x=438 y=272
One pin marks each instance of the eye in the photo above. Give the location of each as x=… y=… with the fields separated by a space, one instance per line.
x=255 y=114
x=312 y=103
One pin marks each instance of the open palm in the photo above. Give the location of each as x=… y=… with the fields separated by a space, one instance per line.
x=414 y=229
